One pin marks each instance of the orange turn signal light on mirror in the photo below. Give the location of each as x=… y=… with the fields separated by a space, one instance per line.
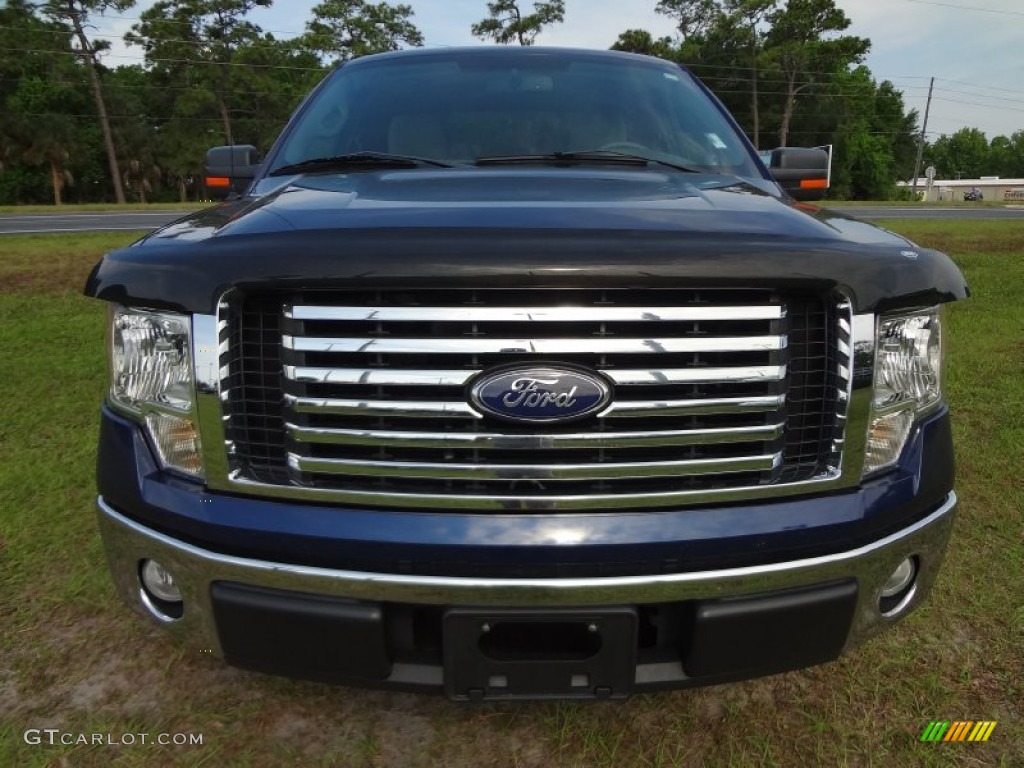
x=218 y=181
x=813 y=183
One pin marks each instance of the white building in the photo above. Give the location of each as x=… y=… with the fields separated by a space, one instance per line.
x=992 y=188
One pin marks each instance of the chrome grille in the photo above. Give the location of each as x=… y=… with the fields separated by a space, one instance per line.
x=364 y=394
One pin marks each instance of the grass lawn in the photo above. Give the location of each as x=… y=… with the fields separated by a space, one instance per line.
x=919 y=203
x=73 y=658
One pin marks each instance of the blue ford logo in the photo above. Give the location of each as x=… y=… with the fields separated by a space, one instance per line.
x=539 y=393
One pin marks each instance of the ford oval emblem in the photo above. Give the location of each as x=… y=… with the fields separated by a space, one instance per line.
x=539 y=393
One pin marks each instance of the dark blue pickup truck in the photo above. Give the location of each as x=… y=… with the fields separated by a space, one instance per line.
x=515 y=373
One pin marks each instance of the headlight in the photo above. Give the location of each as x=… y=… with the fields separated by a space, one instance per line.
x=908 y=377
x=151 y=380
x=150 y=360
x=908 y=364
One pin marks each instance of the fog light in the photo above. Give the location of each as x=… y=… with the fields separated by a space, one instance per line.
x=897 y=587
x=159 y=582
x=899 y=579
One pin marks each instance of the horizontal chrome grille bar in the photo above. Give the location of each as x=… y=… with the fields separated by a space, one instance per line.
x=421 y=409
x=485 y=346
x=609 y=471
x=706 y=407
x=532 y=442
x=735 y=375
x=630 y=501
x=397 y=377
x=619 y=409
x=458 y=378
x=609 y=314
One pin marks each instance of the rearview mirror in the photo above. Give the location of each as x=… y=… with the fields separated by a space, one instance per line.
x=230 y=169
x=804 y=173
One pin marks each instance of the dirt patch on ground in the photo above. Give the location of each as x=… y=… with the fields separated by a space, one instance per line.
x=54 y=263
x=74 y=665
x=64 y=275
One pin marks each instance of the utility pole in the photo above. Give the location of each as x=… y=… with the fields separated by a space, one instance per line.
x=920 y=139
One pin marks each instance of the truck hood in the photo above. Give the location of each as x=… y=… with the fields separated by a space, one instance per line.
x=520 y=226
x=580 y=199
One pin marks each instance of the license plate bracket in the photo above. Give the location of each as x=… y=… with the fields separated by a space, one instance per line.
x=512 y=653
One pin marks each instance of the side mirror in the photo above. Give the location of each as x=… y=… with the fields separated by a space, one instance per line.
x=804 y=173
x=230 y=169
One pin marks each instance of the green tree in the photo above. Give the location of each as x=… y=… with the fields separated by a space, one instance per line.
x=75 y=13
x=1006 y=156
x=1017 y=151
x=761 y=56
x=936 y=153
x=999 y=161
x=694 y=18
x=136 y=101
x=344 y=29
x=44 y=100
x=271 y=78
x=844 y=112
x=748 y=17
x=201 y=36
x=803 y=53
x=730 y=35
x=642 y=41
x=507 y=24
x=961 y=155
x=889 y=118
x=41 y=97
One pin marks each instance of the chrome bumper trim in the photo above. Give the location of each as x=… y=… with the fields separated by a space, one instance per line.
x=194 y=569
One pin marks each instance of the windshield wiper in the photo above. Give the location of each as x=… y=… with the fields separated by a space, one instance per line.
x=356 y=160
x=595 y=156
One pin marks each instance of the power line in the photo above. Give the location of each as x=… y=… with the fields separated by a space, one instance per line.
x=190 y=62
x=827 y=89
x=318 y=69
x=1001 y=99
x=165 y=20
x=967 y=7
x=831 y=73
x=983 y=106
x=100 y=35
x=836 y=87
x=982 y=87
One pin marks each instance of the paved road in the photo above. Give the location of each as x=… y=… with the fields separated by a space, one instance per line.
x=929 y=212
x=17 y=223
x=31 y=223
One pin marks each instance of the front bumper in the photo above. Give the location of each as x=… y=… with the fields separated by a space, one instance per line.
x=384 y=610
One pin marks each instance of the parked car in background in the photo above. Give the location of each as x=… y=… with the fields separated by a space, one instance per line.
x=973 y=194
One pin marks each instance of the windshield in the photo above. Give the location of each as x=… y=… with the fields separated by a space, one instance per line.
x=458 y=107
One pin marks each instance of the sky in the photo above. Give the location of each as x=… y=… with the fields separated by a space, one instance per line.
x=974 y=48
